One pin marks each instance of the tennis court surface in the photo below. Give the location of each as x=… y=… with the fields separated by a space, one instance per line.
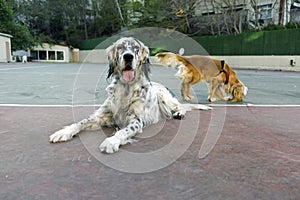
x=255 y=154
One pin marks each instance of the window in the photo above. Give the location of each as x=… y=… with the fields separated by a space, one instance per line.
x=48 y=55
x=208 y=13
x=265 y=11
x=51 y=55
x=43 y=55
x=60 y=55
x=34 y=55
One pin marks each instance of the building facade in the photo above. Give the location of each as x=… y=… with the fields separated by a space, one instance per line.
x=53 y=53
x=5 y=47
x=295 y=11
x=230 y=16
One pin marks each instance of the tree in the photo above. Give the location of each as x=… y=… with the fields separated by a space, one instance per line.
x=173 y=14
x=66 y=21
x=6 y=17
x=22 y=38
x=70 y=22
x=223 y=17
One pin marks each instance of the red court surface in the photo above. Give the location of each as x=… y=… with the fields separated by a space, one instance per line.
x=257 y=156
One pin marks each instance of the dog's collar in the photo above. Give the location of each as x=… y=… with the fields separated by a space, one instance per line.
x=223 y=71
x=226 y=75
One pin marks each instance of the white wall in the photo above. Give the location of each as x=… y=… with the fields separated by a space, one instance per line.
x=93 y=56
x=256 y=62
x=238 y=62
x=3 y=40
x=47 y=47
x=262 y=62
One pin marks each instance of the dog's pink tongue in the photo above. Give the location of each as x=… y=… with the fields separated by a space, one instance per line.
x=128 y=75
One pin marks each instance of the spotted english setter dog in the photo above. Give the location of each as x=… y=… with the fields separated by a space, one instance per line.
x=133 y=102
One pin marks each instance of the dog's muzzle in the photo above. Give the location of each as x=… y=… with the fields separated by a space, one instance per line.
x=128 y=73
x=128 y=58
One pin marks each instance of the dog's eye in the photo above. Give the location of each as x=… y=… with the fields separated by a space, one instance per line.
x=136 y=48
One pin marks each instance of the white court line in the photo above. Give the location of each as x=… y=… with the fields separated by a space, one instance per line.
x=45 y=106
x=97 y=105
x=16 y=68
x=251 y=105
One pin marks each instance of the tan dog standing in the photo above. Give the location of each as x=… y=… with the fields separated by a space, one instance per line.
x=196 y=68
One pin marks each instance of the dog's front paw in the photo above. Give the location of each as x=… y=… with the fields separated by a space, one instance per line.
x=227 y=99
x=191 y=97
x=63 y=135
x=110 y=145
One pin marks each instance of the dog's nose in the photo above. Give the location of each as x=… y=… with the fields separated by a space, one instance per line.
x=128 y=57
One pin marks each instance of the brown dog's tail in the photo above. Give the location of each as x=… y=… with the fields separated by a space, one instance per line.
x=169 y=59
x=186 y=71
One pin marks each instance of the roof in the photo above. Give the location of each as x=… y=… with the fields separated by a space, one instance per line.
x=46 y=45
x=6 y=35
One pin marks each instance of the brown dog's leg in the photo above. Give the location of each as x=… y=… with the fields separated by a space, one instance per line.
x=211 y=91
x=219 y=94
x=188 y=91
x=212 y=86
x=183 y=87
x=214 y=91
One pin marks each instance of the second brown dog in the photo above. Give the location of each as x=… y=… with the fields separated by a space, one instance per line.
x=195 y=68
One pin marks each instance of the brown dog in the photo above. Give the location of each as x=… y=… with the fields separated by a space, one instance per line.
x=196 y=68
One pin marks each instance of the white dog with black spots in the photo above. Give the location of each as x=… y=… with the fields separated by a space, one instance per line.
x=133 y=102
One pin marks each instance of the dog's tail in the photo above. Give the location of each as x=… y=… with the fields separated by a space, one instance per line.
x=169 y=59
x=189 y=107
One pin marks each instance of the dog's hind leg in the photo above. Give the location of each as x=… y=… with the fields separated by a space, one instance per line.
x=183 y=89
x=101 y=117
x=188 y=91
x=173 y=108
x=180 y=110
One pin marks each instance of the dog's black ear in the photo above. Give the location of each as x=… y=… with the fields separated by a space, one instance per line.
x=111 y=70
x=110 y=51
x=145 y=52
x=146 y=62
x=146 y=68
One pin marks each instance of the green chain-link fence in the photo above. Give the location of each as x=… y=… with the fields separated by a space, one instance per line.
x=279 y=42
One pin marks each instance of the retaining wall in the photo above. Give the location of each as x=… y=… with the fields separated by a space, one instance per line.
x=238 y=62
